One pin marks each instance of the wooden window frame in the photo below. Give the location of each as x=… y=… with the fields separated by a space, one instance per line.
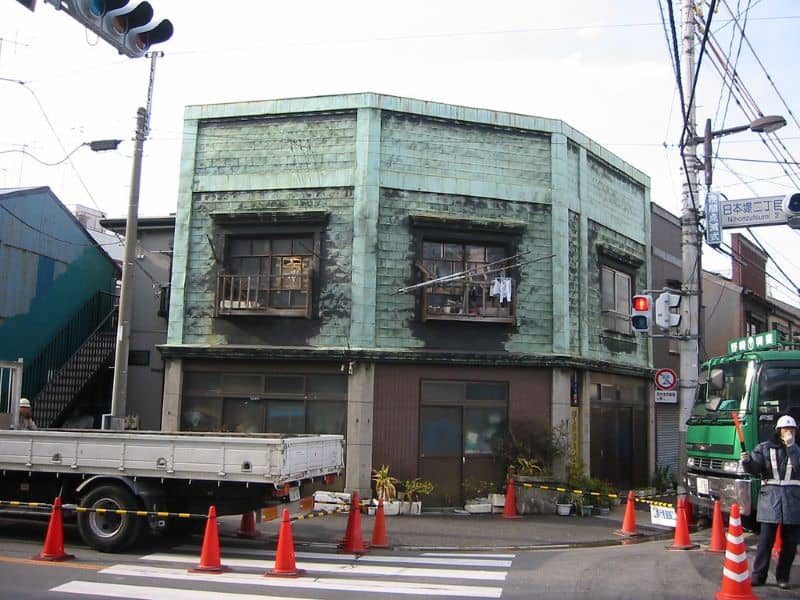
x=618 y=316
x=244 y=295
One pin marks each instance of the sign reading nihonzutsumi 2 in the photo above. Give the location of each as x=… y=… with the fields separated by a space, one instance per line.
x=751 y=212
x=759 y=341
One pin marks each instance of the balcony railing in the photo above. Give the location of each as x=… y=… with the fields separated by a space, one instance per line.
x=287 y=295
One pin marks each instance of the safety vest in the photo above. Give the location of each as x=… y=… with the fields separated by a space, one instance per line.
x=787 y=479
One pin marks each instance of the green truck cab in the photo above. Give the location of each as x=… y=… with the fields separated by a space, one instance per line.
x=758 y=380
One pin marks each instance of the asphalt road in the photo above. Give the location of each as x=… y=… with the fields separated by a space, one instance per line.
x=158 y=569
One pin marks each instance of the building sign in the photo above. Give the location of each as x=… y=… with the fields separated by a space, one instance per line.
x=666 y=396
x=713 y=219
x=663 y=515
x=750 y=212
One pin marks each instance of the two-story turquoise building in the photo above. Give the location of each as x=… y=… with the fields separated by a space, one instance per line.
x=421 y=277
x=57 y=308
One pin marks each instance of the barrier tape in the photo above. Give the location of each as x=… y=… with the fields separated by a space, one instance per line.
x=17 y=504
x=319 y=513
x=558 y=488
x=136 y=513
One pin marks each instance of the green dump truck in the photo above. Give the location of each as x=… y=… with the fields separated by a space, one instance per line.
x=757 y=380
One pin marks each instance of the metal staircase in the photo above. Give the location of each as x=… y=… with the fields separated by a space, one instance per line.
x=56 y=378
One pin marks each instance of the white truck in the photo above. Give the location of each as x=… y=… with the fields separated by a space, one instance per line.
x=158 y=472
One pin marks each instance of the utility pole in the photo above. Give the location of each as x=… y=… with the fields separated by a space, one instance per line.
x=690 y=242
x=119 y=394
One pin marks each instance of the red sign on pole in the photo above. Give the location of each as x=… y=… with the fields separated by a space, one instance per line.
x=666 y=379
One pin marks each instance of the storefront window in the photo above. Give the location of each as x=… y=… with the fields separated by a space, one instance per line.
x=264 y=402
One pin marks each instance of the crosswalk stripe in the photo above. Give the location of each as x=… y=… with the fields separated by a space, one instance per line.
x=355 y=568
x=367 y=558
x=144 y=592
x=353 y=585
x=468 y=555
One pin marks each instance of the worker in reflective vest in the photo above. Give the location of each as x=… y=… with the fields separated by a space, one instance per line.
x=777 y=463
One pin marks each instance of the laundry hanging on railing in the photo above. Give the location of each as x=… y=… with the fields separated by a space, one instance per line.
x=501 y=289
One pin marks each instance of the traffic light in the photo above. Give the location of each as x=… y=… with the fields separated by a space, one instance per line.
x=126 y=25
x=664 y=317
x=791 y=208
x=29 y=4
x=641 y=312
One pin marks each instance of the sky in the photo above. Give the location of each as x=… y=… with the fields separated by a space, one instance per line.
x=602 y=66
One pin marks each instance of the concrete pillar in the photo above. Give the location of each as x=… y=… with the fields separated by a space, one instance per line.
x=560 y=415
x=173 y=389
x=360 y=394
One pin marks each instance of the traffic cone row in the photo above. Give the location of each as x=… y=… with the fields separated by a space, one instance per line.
x=681 y=540
x=380 y=538
x=53 y=549
x=210 y=560
x=353 y=541
x=778 y=545
x=736 y=583
x=247 y=528
x=510 y=507
x=628 y=528
x=717 y=531
x=285 y=565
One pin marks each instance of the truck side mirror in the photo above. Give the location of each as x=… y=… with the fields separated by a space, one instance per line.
x=717 y=379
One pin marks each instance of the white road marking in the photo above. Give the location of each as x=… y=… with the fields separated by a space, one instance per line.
x=366 y=558
x=141 y=592
x=355 y=568
x=352 y=585
x=469 y=555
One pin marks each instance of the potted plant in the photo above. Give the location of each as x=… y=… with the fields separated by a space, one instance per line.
x=606 y=498
x=386 y=490
x=477 y=493
x=564 y=504
x=583 y=504
x=414 y=489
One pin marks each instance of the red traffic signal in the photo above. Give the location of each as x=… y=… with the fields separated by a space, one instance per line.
x=641 y=312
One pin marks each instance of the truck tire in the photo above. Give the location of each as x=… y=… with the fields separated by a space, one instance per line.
x=110 y=532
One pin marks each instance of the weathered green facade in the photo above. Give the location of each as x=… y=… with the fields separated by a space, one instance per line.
x=370 y=169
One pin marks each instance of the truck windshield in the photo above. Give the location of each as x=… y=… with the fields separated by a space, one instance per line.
x=736 y=378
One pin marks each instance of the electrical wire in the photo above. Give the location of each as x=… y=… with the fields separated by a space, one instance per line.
x=47 y=164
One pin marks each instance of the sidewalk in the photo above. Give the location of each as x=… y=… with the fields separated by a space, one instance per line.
x=448 y=530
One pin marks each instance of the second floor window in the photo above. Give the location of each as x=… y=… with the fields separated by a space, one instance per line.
x=615 y=288
x=268 y=275
x=479 y=290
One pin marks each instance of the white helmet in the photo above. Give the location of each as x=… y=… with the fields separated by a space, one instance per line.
x=24 y=403
x=786 y=421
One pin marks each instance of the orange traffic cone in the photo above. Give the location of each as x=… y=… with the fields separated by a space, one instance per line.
x=284 y=557
x=210 y=561
x=628 y=528
x=350 y=517
x=53 y=549
x=510 y=507
x=353 y=542
x=717 y=543
x=247 y=528
x=736 y=584
x=687 y=508
x=380 y=538
x=778 y=545
x=681 y=540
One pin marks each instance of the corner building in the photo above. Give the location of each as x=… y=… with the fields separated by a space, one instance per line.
x=299 y=220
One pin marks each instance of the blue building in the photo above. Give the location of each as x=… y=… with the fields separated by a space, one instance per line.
x=57 y=309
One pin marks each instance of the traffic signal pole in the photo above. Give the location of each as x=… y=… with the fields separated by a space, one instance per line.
x=119 y=394
x=690 y=242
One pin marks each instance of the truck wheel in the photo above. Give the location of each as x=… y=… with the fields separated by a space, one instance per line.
x=109 y=532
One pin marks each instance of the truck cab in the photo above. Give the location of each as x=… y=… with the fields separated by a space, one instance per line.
x=758 y=380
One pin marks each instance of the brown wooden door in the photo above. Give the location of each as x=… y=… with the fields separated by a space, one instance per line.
x=441 y=453
x=456 y=449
